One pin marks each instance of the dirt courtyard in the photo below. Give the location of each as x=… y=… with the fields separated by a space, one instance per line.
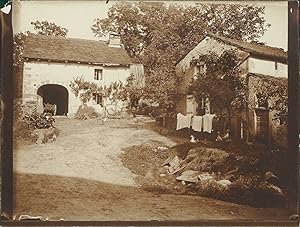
x=80 y=176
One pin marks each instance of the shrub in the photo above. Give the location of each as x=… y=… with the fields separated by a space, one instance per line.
x=280 y=136
x=254 y=191
x=38 y=121
x=26 y=120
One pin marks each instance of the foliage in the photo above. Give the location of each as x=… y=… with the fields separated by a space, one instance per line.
x=26 y=120
x=159 y=41
x=279 y=136
x=115 y=92
x=35 y=120
x=85 y=89
x=42 y=28
x=162 y=89
x=18 y=48
x=220 y=82
x=273 y=91
x=133 y=91
x=49 y=28
x=253 y=190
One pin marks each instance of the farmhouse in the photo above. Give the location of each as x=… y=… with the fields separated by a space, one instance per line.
x=258 y=63
x=51 y=63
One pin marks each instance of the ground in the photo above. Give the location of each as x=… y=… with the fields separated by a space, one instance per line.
x=80 y=176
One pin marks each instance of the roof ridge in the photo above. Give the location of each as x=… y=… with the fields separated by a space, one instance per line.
x=230 y=40
x=61 y=37
x=73 y=49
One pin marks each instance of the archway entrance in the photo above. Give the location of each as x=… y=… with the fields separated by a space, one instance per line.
x=55 y=94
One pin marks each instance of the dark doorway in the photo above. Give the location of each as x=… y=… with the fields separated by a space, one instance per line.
x=263 y=126
x=55 y=94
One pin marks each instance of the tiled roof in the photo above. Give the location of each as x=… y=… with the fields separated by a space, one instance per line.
x=256 y=50
x=62 y=49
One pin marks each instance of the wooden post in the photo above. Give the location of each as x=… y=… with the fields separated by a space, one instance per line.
x=270 y=117
x=247 y=109
x=293 y=101
x=6 y=57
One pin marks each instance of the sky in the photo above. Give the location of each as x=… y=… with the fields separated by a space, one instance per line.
x=78 y=16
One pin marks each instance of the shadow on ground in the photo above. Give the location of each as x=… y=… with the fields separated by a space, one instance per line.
x=80 y=199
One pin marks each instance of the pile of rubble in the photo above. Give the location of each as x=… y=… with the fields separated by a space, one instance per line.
x=194 y=166
x=206 y=170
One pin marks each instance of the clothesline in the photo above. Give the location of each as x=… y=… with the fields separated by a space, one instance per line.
x=198 y=123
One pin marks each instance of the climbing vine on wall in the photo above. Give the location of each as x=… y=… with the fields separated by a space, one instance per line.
x=273 y=91
x=220 y=82
x=85 y=90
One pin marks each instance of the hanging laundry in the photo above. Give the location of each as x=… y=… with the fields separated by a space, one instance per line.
x=207 y=122
x=183 y=121
x=189 y=119
x=197 y=123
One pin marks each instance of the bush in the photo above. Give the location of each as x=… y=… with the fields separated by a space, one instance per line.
x=280 y=136
x=38 y=121
x=27 y=120
x=253 y=190
x=146 y=109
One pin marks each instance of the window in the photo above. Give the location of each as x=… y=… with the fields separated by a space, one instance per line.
x=98 y=74
x=97 y=98
x=204 y=107
x=276 y=65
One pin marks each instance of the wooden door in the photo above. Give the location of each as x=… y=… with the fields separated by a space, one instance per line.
x=262 y=126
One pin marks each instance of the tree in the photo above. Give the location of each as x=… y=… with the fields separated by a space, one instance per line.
x=158 y=35
x=220 y=83
x=18 y=48
x=85 y=90
x=133 y=91
x=49 y=28
x=42 y=28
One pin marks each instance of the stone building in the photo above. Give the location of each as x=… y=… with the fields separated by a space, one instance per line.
x=51 y=63
x=257 y=61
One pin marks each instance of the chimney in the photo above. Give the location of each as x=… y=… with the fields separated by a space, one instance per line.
x=114 y=40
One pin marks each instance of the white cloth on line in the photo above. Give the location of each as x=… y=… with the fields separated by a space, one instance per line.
x=189 y=116
x=197 y=123
x=207 y=122
x=183 y=121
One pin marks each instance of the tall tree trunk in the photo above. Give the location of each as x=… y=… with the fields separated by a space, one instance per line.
x=229 y=116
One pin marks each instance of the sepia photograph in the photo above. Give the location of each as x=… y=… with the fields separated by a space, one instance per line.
x=151 y=111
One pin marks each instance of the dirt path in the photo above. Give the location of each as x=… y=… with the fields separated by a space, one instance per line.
x=85 y=149
x=81 y=177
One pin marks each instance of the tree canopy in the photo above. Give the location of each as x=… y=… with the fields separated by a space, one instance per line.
x=49 y=28
x=41 y=28
x=158 y=35
x=220 y=82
